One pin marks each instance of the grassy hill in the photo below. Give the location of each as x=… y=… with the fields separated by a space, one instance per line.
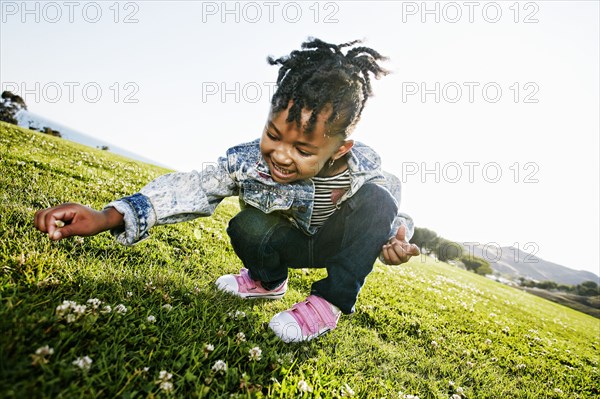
x=424 y=328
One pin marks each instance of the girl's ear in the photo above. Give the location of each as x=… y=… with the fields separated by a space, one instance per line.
x=344 y=148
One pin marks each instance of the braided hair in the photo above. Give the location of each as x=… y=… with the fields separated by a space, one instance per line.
x=320 y=78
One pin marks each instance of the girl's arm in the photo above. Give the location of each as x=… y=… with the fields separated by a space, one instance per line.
x=172 y=198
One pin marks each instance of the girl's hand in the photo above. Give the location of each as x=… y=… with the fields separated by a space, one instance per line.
x=398 y=250
x=71 y=219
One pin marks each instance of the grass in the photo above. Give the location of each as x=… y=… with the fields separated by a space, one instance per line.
x=424 y=328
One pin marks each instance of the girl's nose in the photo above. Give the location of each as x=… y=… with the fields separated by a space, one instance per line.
x=282 y=156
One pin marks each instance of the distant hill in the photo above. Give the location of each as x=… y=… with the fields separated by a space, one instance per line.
x=514 y=263
x=30 y=120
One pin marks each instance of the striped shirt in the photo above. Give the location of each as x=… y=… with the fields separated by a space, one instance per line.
x=328 y=189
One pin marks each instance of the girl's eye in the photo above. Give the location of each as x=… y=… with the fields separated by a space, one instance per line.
x=269 y=135
x=304 y=153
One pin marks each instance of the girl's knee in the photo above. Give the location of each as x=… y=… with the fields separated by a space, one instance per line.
x=376 y=198
x=251 y=225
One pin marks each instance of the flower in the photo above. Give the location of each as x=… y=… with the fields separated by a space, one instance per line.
x=208 y=348
x=83 y=363
x=219 y=366
x=106 y=309
x=167 y=307
x=521 y=366
x=346 y=391
x=240 y=337
x=460 y=391
x=145 y=369
x=129 y=294
x=304 y=387
x=79 y=310
x=456 y=396
x=254 y=353
x=238 y=314
x=121 y=309
x=44 y=351
x=94 y=303
x=164 y=382
x=149 y=286
x=488 y=341
x=166 y=386
x=434 y=344
x=40 y=356
x=164 y=375
x=151 y=319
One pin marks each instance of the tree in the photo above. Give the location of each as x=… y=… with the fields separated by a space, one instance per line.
x=477 y=264
x=587 y=288
x=10 y=105
x=424 y=238
x=446 y=250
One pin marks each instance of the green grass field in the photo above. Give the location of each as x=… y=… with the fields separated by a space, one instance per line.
x=422 y=329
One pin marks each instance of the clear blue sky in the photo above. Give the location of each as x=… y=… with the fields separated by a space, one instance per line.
x=490 y=117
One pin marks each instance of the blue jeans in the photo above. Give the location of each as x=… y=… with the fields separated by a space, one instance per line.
x=347 y=245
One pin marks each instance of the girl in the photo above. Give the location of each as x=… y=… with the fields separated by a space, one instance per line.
x=310 y=196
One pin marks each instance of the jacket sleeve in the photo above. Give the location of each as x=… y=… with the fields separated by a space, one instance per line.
x=394 y=186
x=172 y=198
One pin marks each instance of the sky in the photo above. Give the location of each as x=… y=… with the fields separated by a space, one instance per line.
x=490 y=116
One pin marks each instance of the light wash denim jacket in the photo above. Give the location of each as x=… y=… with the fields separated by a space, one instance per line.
x=177 y=197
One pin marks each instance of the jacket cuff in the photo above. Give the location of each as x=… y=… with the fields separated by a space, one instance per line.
x=138 y=217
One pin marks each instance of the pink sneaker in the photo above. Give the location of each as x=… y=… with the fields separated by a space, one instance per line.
x=305 y=320
x=243 y=286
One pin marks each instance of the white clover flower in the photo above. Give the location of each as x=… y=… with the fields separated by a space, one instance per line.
x=83 y=363
x=304 y=387
x=346 y=391
x=488 y=341
x=79 y=310
x=456 y=396
x=521 y=366
x=71 y=318
x=166 y=386
x=151 y=319
x=149 y=286
x=254 y=354
x=219 y=366
x=94 y=303
x=238 y=314
x=558 y=390
x=121 y=309
x=106 y=309
x=470 y=364
x=506 y=329
x=240 y=337
x=129 y=294
x=145 y=369
x=168 y=307
x=164 y=375
x=460 y=391
x=451 y=383
x=44 y=351
x=207 y=349
x=59 y=223
x=434 y=344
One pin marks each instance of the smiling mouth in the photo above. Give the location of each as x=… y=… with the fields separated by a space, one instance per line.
x=281 y=172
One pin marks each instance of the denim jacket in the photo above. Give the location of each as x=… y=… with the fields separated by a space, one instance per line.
x=179 y=196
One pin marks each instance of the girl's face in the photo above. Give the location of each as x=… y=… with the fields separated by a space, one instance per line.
x=294 y=155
